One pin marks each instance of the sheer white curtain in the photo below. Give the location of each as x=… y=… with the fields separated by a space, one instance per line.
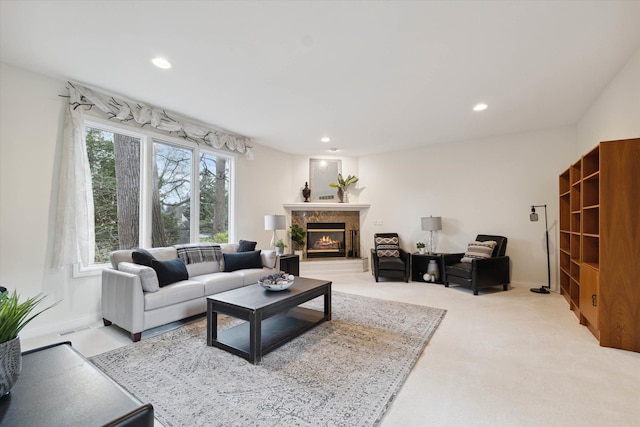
x=74 y=240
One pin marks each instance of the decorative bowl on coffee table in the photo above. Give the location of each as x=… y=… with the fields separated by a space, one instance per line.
x=276 y=282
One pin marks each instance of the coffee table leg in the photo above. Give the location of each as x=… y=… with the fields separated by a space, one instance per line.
x=255 y=337
x=212 y=324
x=327 y=305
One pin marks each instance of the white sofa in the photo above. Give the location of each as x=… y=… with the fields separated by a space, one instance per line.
x=133 y=300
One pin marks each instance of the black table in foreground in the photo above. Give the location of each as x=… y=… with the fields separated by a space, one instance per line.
x=59 y=387
x=272 y=318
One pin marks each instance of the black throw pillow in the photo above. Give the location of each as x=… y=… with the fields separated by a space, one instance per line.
x=142 y=257
x=242 y=260
x=246 y=246
x=170 y=271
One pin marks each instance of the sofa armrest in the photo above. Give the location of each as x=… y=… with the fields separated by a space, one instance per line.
x=123 y=300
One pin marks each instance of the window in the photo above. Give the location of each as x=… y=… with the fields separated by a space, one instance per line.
x=184 y=201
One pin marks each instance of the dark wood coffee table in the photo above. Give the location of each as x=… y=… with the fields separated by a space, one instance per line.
x=273 y=318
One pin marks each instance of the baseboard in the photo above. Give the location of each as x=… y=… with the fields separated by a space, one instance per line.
x=62 y=328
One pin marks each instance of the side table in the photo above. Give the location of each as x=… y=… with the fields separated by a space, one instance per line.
x=419 y=263
x=290 y=263
x=60 y=387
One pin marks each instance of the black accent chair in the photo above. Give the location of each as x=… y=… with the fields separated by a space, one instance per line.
x=389 y=266
x=480 y=273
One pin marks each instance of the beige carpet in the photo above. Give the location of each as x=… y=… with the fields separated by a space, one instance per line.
x=344 y=372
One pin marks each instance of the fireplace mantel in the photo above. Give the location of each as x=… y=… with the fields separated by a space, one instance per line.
x=302 y=206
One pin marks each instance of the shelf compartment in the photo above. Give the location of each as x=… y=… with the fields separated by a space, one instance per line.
x=565 y=241
x=575 y=247
x=564 y=184
x=591 y=221
x=575 y=198
x=565 y=212
x=575 y=222
x=565 y=261
x=591 y=190
x=591 y=162
x=591 y=251
x=565 y=283
x=575 y=174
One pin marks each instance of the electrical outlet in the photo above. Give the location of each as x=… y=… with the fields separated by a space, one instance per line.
x=377 y=222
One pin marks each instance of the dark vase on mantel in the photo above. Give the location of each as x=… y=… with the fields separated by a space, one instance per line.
x=306 y=192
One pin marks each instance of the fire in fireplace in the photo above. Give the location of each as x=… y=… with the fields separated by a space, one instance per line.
x=325 y=239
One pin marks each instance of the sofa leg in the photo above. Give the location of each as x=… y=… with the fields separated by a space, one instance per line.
x=136 y=337
x=505 y=287
x=475 y=292
x=446 y=284
x=106 y=322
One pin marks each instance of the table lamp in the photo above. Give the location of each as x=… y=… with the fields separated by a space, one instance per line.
x=273 y=223
x=431 y=224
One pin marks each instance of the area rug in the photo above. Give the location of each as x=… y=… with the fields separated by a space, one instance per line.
x=344 y=372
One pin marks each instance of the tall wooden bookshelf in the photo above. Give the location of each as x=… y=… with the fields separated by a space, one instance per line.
x=599 y=201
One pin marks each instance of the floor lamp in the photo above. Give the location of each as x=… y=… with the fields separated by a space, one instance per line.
x=534 y=217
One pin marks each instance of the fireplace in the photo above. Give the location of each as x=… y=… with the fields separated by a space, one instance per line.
x=326 y=239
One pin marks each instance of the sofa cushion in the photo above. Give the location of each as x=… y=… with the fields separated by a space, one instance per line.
x=220 y=282
x=479 y=250
x=142 y=257
x=241 y=260
x=269 y=258
x=391 y=263
x=148 y=276
x=122 y=255
x=246 y=246
x=170 y=271
x=252 y=275
x=201 y=268
x=175 y=293
x=461 y=269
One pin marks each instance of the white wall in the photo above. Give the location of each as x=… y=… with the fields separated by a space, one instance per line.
x=477 y=187
x=616 y=112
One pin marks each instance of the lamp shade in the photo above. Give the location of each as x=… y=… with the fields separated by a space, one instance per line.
x=431 y=223
x=274 y=222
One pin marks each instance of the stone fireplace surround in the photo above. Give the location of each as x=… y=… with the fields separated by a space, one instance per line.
x=349 y=213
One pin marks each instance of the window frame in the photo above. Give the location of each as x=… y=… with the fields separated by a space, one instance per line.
x=147 y=138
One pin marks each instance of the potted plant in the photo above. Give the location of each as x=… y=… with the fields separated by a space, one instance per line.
x=420 y=247
x=280 y=247
x=14 y=315
x=297 y=238
x=343 y=185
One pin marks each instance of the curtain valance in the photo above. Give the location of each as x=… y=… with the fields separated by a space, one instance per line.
x=116 y=108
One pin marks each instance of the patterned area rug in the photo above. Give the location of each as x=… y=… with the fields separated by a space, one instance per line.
x=344 y=372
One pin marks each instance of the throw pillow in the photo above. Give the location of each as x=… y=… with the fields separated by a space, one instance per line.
x=170 y=271
x=246 y=246
x=388 y=247
x=148 y=276
x=242 y=260
x=479 y=250
x=142 y=257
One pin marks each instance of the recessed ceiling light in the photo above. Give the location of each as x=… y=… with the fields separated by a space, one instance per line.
x=480 y=107
x=325 y=139
x=160 y=62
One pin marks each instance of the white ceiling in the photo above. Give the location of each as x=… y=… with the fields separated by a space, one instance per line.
x=373 y=76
